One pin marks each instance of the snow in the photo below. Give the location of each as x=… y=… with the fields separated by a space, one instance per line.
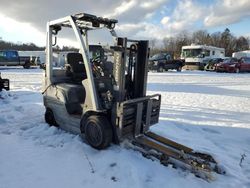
x=204 y=110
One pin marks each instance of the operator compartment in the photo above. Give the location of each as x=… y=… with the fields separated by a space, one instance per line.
x=74 y=96
x=68 y=73
x=74 y=73
x=102 y=72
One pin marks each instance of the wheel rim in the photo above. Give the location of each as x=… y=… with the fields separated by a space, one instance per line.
x=94 y=134
x=237 y=70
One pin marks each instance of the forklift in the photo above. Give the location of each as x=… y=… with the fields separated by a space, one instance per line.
x=4 y=83
x=105 y=101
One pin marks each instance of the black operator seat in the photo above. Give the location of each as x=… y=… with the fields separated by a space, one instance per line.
x=74 y=91
x=75 y=67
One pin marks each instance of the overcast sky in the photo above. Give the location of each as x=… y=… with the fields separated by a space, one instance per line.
x=25 y=20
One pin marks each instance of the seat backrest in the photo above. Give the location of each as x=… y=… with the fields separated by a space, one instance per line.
x=75 y=66
x=75 y=60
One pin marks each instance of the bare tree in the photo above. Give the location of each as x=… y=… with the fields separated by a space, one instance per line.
x=242 y=43
x=228 y=41
x=182 y=39
x=152 y=44
x=201 y=37
x=169 y=44
x=215 y=39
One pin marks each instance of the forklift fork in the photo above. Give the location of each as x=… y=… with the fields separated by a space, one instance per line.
x=137 y=115
x=170 y=152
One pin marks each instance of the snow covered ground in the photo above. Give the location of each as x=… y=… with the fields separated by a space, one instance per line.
x=207 y=111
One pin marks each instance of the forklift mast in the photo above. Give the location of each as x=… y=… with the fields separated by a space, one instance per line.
x=130 y=68
x=134 y=112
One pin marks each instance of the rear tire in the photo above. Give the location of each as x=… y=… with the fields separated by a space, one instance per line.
x=50 y=118
x=160 y=69
x=178 y=69
x=26 y=65
x=237 y=70
x=98 y=132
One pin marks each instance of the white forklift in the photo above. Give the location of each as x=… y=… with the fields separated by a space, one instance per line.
x=106 y=101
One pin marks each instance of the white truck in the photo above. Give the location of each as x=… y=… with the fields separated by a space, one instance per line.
x=241 y=54
x=38 y=55
x=196 y=56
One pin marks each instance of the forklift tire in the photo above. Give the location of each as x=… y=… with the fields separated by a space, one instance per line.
x=98 y=132
x=49 y=117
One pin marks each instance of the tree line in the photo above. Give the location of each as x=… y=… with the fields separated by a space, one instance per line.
x=4 y=45
x=224 y=39
x=172 y=45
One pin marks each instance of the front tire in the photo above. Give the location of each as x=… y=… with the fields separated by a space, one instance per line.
x=98 y=132
x=50 y=118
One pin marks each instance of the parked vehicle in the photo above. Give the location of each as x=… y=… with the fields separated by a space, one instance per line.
x=227 y=65
x=210 y=66
x=37 y=57
x=241 y=54
x=12 y=58
x=196 y=56
x=244 y=64
x=234 y=65
x=163 y=62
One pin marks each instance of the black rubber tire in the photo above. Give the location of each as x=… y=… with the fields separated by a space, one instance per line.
x=98 y=132
x=178 y=69
x=49 y=117
x=26 y=65
x=160 y=69
x=42 y=66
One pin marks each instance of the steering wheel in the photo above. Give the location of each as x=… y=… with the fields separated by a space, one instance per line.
x=97 y=66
